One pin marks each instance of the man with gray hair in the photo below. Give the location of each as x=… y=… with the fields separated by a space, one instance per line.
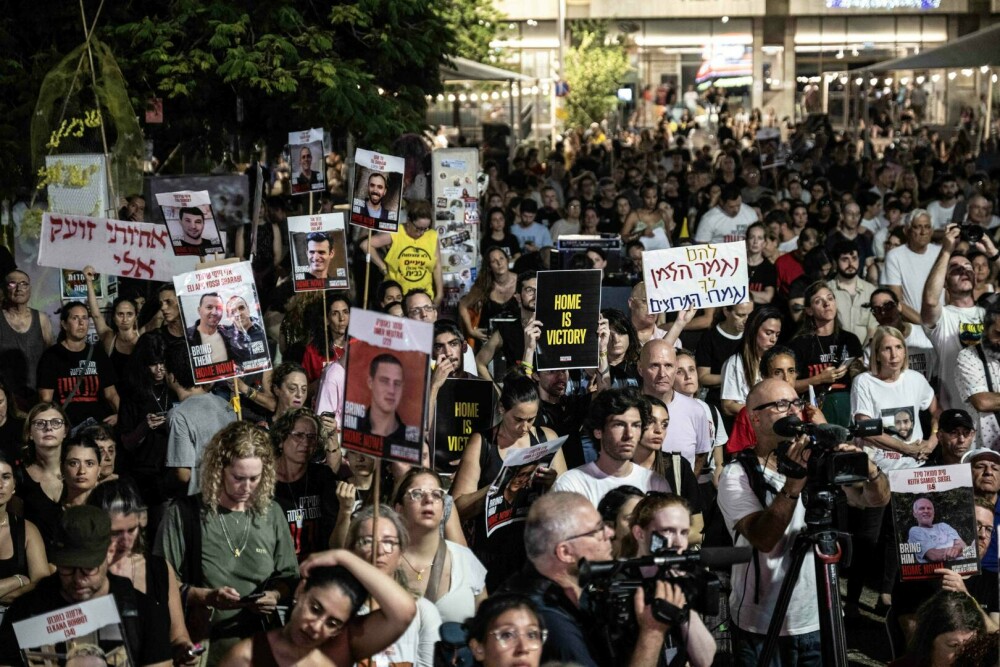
x=562 y=528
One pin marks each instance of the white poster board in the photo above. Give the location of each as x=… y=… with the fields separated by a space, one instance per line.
x=702 y=276
x=91 y=628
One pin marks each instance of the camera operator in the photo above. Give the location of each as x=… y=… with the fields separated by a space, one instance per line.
x=561 y=529
x=662 y=522
x=770 y=527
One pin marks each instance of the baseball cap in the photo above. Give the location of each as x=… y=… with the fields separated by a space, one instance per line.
x=82 y=537
x=982 y=452
x=954 y=418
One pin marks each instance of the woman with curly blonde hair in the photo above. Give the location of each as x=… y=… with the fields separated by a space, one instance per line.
x=230 y=544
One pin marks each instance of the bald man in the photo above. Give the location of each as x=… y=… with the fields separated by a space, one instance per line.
x=689 y=434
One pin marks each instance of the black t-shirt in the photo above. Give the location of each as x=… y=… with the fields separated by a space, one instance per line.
x=63 y=371
x=310 y=504
x=713 y=350
x=762 y=276
x=509 y=244
x=814 y=354
x=908 y=595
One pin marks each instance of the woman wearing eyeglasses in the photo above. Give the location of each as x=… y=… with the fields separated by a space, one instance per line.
x=305 y=489
x=447 y=574
x=895 y=394
x=389 y=540
x=507 y=631
x=323 y=627
x=40 y=483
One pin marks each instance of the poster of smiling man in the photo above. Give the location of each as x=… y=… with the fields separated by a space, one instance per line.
x=191 y=223
x=319 y=252
x=376 y=193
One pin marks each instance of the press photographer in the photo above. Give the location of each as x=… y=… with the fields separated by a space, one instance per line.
x=563 y=528
x=760 y=495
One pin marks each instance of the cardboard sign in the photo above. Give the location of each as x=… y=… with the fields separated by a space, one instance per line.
x=224 y=328
x=385 y=400
x=568 y=304
x=305 y=149
x=703 y=276
x=935 y=520
x=92 y=629
x=377 y=191
x=463 y=407
x=319 y=252
x=117 y=247
x=191 y=223
x=512 y=492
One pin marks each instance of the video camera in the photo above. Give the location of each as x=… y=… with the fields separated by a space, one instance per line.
x=608 y=587
x=825 y=465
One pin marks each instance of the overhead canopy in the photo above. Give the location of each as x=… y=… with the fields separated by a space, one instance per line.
x=973 y=50
x=463 y=69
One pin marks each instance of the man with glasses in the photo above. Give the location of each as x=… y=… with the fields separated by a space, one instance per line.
x=81 y=551
x=561 y=529
x=885 y=310
x=771 y=526
x=617 y=419
x=24 y=336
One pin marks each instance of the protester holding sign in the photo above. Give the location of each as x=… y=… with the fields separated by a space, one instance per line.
x=377 y=190
x=568 y=307
x=413 y=255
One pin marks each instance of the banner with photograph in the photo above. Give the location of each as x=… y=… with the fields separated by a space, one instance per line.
x=935 y=520
x=388 y=360
x=230 y=195
x=116 y=247
x=73 y=287
x=224 y=327
x=703 y=276
x=377 y=191
x=305 y=150
x=191 y=223
x=463 y=407
x=568 y=304
x=87 y=633
x=512 y=492
x=772 y=153
x=319 y=252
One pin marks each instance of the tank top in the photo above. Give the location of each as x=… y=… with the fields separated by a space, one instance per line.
x=18 y=563
x=119 y=362
x=502 y=553
x=20 y=352
x=410 y=261
x=262 y=656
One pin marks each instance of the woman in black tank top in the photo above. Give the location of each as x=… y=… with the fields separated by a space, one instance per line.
x=22 y=552
x=502 y=552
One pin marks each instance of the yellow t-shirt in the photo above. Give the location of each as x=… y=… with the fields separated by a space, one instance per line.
x=410 y=261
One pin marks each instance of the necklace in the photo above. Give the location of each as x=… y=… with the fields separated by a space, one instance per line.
x=246 y=530
x=6 y=520
x=161 y=401
x=420 y=573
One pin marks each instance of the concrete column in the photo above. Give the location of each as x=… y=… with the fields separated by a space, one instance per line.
x=784 y=102
x=757 y=89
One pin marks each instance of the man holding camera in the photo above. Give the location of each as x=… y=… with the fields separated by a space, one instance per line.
x=771 y=528
x=561 y=529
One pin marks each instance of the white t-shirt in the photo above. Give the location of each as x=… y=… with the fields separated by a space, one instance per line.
x=717 y=430
x=909 y=270
x=898 y=405
x=955 y=329
x=970 y=377
x=688 y=433
x=737 y=500
x=789 y=245
x=416 y=645
x=468 y=579
x=923 y=357
x=734 y=380
x=717 y=227
x=940 y=216
x=938 y=536
x=590 y=481
x=874 y=225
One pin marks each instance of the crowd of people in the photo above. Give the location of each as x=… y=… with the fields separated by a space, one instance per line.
x=255 y=538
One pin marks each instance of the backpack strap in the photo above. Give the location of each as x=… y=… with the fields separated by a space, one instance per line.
x=189 y=510
x=748 y=459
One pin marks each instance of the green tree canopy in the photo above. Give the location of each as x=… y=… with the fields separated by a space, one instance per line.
x=595 y=68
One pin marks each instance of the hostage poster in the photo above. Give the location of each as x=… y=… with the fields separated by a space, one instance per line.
x=305 y=152
x=377 y=191
x=87 y=633
x=935 y=521
x=388 y=360
x=224 y=328
x=191 y=223
x=568 y=304
x=319 y=252
x=513 y=491
x=463 y=407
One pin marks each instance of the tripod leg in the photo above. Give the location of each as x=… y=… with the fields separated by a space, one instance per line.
x=831 y=619
x=800 y=548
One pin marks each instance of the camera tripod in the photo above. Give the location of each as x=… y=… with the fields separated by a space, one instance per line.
x=820 y=536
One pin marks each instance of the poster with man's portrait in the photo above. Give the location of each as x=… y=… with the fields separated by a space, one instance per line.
x=223 y=322
x=388 y=370
x=319 y=252
x=191 y=223
x=935 y=521
x=377 y=191
x=305 y=149
x=514 y=490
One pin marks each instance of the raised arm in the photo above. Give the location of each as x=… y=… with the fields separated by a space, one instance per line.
x=930 y=306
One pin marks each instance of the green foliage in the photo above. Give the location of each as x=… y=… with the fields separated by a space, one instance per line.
x=594 y=70
x=476 y=23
